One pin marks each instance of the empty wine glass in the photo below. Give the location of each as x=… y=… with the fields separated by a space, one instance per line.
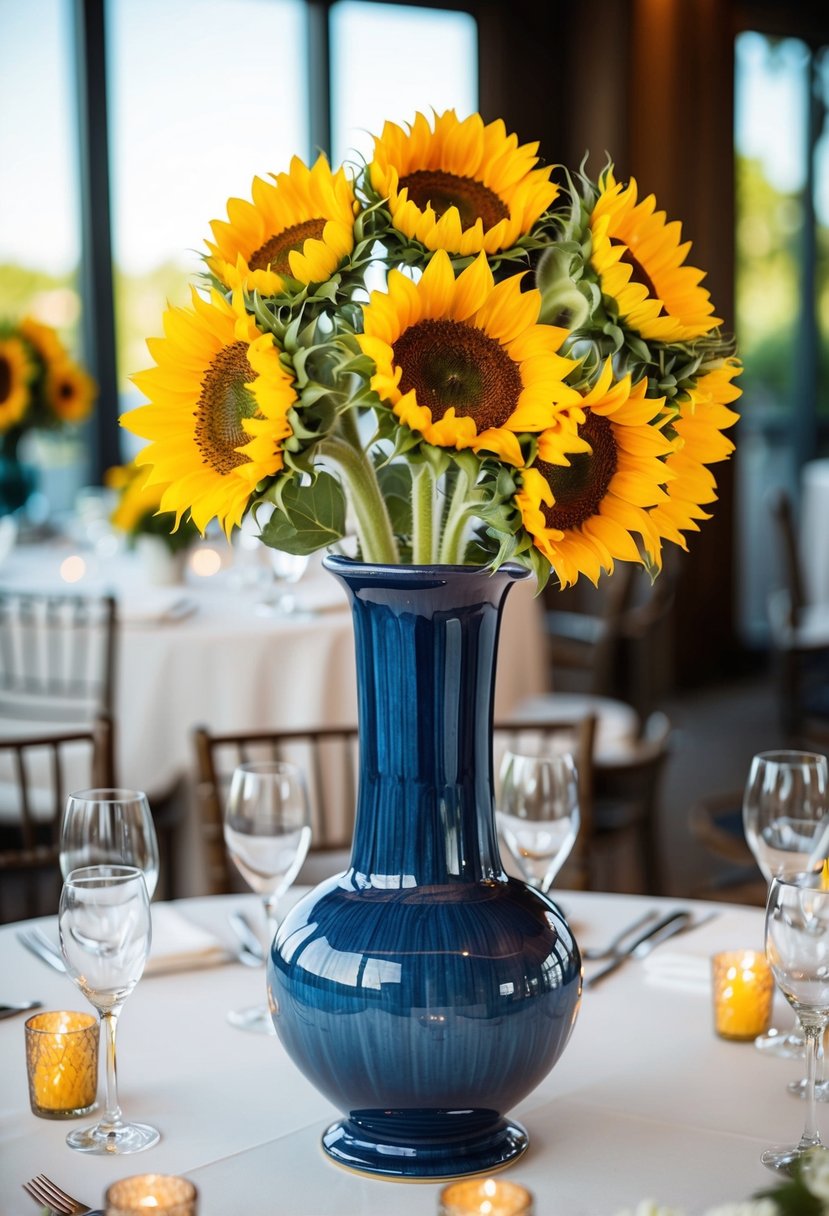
x=785 y=812
x=538 y=813
x=267 y=830
x=797 y=947
x=109 y=825
x=288 y=569
x=105 y=935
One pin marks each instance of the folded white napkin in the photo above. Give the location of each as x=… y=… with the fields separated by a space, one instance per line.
x=166 y=604
x=686 y=972
x=180 y=945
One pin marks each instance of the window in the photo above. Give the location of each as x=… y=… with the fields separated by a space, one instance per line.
x=782 y=287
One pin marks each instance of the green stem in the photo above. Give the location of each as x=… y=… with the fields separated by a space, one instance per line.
x=423 y=498
x=453 y=542
x=373 y=524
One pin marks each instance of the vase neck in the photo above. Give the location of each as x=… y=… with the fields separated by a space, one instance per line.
x=426 y=642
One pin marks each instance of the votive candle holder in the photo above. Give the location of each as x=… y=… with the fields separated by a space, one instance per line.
x=62 y=1063
x=743 y=990
x=161 y=1194
x=485 y=1197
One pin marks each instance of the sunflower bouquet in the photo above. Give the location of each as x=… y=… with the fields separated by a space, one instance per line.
x=453 y=350
x=137 y=510
x=41 y=387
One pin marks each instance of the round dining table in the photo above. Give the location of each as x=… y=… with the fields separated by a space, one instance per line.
x=645 y=1103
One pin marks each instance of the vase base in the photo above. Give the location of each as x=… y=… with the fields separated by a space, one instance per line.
x=360 y=1146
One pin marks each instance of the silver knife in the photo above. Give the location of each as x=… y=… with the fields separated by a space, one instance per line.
x=642 y=945
x=9 y=1011
x=251 y=944
x=45 y=951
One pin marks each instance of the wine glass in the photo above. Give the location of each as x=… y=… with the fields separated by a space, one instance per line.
x=105 y=934
x=785 y=819
x=109 y=825
x=267 y=830
x=797 y=947
x=288 y=569
x=538 y=813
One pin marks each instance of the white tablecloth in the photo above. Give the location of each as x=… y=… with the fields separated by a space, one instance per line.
x=645 y=1102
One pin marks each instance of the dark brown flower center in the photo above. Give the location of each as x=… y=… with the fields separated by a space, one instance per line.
x=440 y=191
x=451 y=365
x=5 y=379
x=65 y=390
x=274 y=253
x=639 y=275
x=579 y=489
x=223 y=403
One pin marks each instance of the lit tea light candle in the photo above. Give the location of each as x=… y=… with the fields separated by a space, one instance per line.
x=161 y=1194
x=485 y=1197
x=73 y=568
x=62 y=1063
x=205 y=562
x=743 y=991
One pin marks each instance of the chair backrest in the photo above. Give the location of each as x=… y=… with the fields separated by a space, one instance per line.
x=626 y=788
x=57 y=656
x=329 y=758
x=37 y=772
x=782 y=510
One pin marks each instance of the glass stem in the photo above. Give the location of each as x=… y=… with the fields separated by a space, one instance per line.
x=813 y=1032
x=112 y=1115
x=272 y=921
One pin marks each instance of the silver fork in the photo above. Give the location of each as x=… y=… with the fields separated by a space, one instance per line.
x=39 y=944
x=46 y=1192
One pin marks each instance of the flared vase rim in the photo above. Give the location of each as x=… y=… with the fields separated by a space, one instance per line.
x=338 y=563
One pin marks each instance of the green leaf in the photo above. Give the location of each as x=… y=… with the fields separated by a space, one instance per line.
x=307 y=517
x=395 y=482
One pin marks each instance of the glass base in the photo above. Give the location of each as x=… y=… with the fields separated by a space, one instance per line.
x=789 y=1046
x=256 y=1018
x=128 y=1138
x=783 y=1159
x=800 y=1089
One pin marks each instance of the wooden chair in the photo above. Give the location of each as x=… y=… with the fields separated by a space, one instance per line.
x=626 y=801
x=37 y=771
x=716 y=824
x=329 y=758
x=57 y=656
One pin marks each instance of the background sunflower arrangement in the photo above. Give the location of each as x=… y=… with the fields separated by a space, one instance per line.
x=136 y=512
x=40 y=385
x=538 y=374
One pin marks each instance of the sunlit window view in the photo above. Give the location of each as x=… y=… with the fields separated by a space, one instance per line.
x=39 y=219
x=388 y=62
x=188 y=134
x=775 y=310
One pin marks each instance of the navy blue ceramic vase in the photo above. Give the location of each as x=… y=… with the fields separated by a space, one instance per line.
x=424 y=991
x=18 y=481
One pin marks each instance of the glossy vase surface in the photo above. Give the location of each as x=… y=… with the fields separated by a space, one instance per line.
x=18 y=480
x=424 y=991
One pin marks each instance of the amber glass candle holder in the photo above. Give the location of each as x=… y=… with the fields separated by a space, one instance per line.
x=485 y=1197
x=62 y=1063
x=161 y=1194
x=743 y=989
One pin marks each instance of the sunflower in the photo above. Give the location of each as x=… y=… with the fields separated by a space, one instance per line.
x=463 y=187
x=217 y=418
x=703 y=416
x=640 y=263
x=582 y=511
x=462 y=360
x=70 y=392
x=43 y=338
x=300 y=225
x=137 y=497
x=15 y=372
